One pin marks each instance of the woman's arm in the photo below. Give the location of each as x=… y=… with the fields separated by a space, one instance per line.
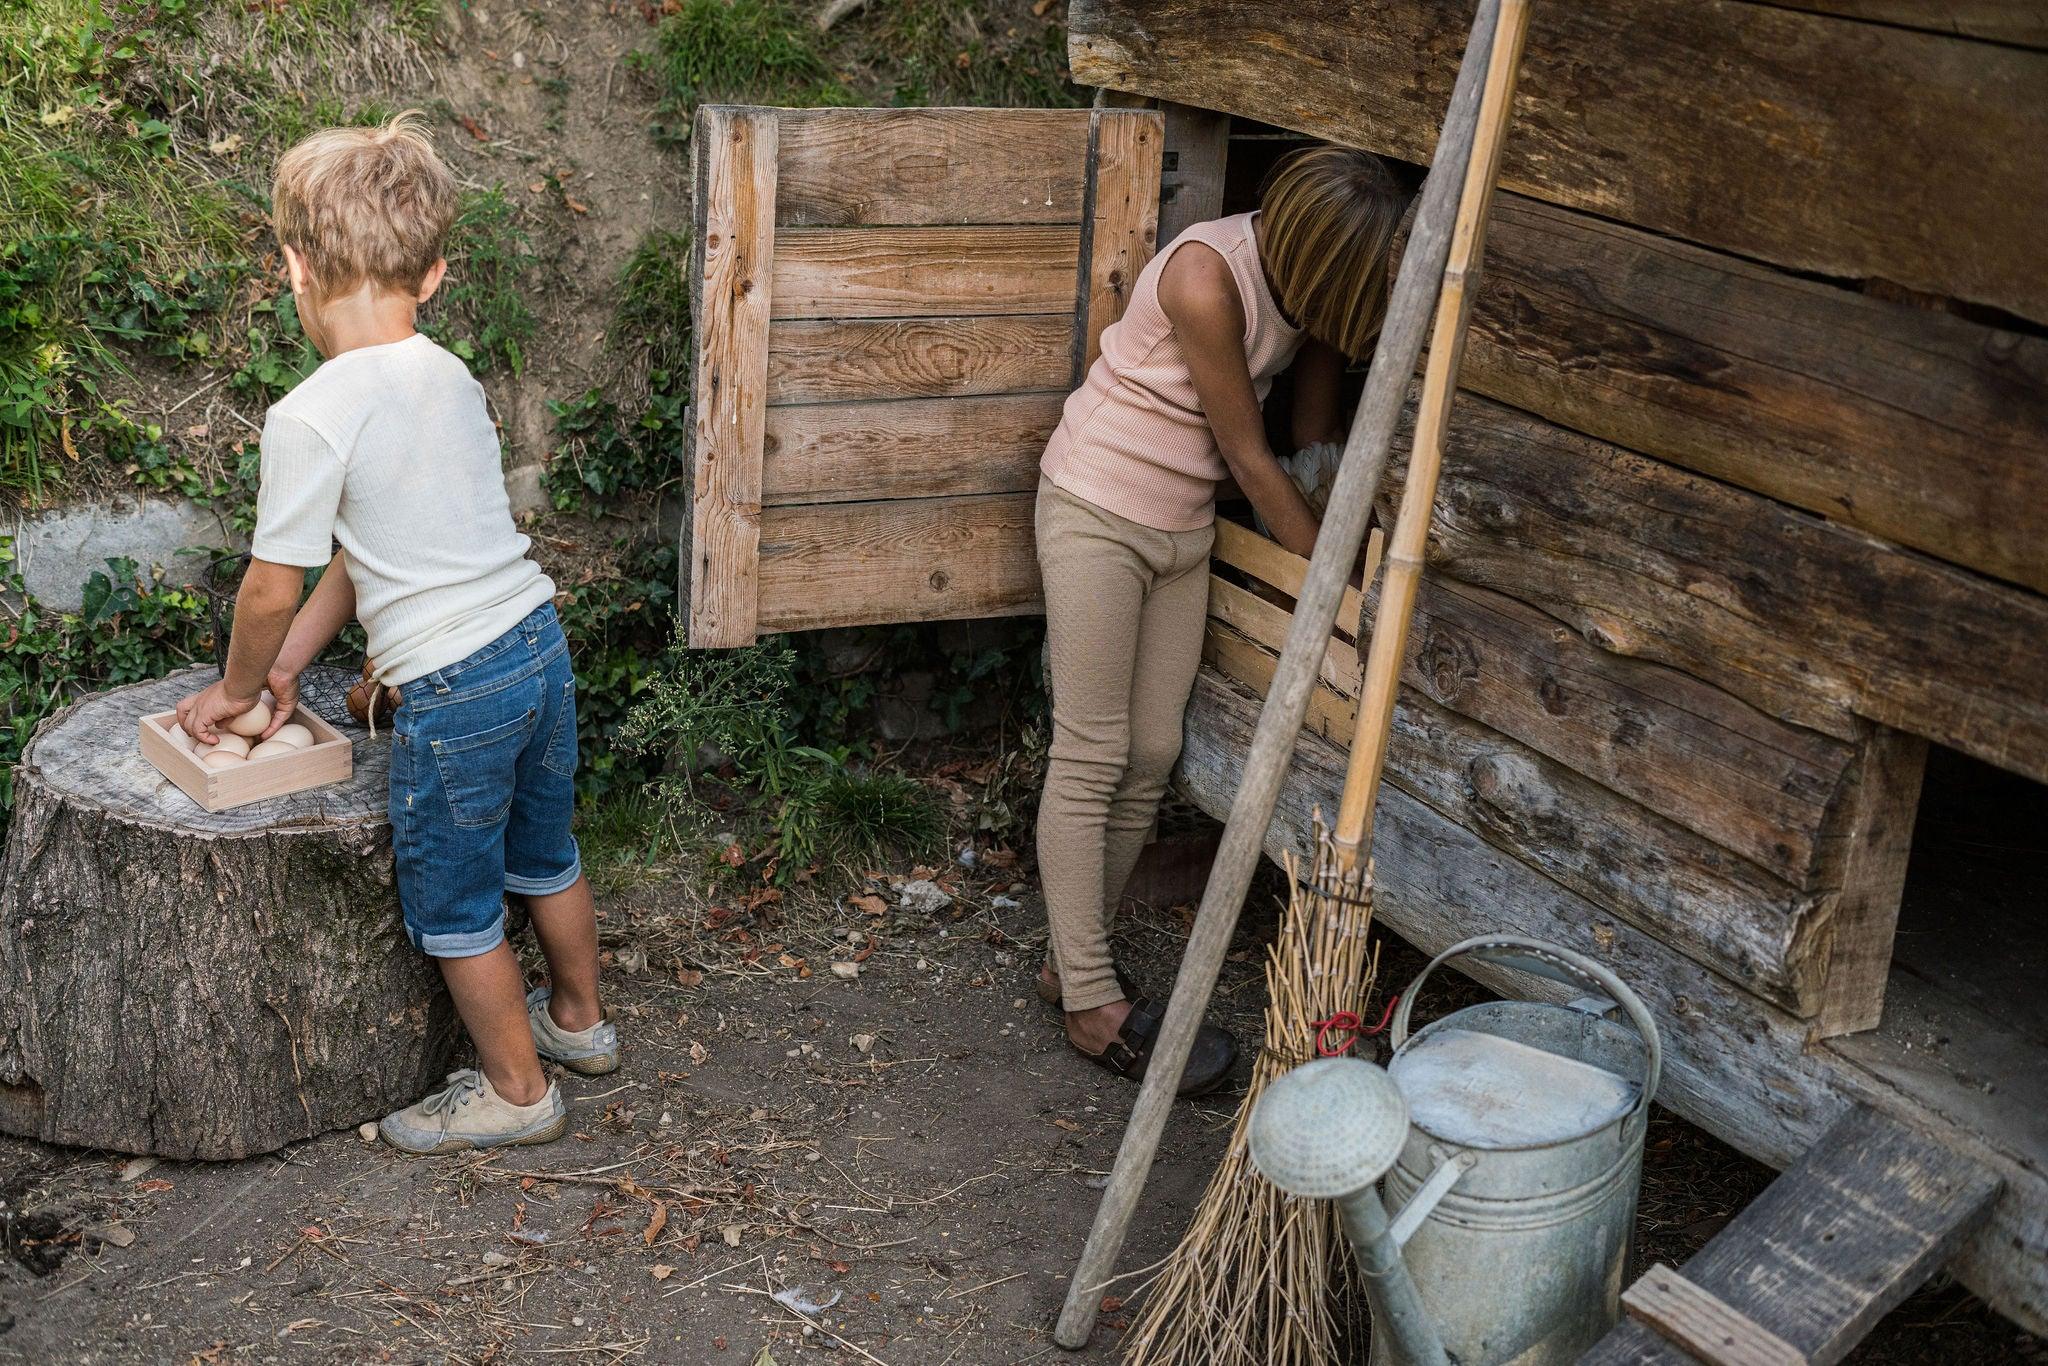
x=1318 y=391
x=1200 y=300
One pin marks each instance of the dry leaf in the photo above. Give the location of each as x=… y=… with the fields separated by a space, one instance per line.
x=689 y=977
x=698 y=1052
x=1067 y=1124
x=660 y=1272
x=575 y=205
x=473 y=128
x=873 y=905
x=152 y=1187
x=731 y=1234
x=655 y=1224
x=1112 y=1303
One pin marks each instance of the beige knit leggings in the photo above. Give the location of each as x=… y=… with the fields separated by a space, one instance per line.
x=1125 y=607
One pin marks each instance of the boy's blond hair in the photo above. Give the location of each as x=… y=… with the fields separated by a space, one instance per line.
x=365 y=204
x=1328 y=216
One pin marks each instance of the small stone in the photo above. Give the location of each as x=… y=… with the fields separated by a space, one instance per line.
x=924 y=896
x=576 y=1321
x=367 y=1131
x=496 y=1258
x=864 y=1042
x=846 y=971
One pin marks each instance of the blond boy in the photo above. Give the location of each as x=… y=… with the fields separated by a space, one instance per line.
x=387 y=450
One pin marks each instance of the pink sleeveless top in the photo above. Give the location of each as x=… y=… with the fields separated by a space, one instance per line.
x=1133 y=439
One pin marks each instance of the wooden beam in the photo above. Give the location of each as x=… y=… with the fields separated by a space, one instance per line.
x=1919 y=426
x=1864 y=1218
x=1191 y=176
x=908 y=448
x=1756 y=129
x=736 y=160
x=905 y=167
x=1700 y=1324
x=916 y=272
x=1808 y=620
x=833 y=360
x=2021 y=22
x=1873 y=835
x=1123 y=226
x=918 y=559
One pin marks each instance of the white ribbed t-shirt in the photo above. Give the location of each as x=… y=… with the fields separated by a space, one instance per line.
x=390 y=451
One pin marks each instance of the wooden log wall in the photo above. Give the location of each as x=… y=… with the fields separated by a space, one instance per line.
x=1745 y=503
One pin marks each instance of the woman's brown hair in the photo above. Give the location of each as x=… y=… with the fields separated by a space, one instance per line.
x=1327 y=220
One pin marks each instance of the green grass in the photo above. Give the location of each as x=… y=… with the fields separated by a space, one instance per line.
x=759 y=51
x=482 y=313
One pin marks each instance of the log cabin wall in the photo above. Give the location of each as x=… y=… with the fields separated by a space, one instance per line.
x=1745 y=502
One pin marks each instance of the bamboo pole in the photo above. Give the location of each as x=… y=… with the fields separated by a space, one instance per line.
x=1272 y=746
x=1409 y=543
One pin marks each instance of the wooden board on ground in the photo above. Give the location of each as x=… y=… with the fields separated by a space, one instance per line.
x=293 y=1002
x=1748 y=127
x=1871 y=1210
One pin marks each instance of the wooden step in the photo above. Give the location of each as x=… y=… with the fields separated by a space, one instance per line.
x=1798 y=1278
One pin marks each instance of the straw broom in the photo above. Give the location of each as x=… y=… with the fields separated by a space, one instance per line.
x=1260 y=1278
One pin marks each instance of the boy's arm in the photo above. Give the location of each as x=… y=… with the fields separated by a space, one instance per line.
x=331 y=606
x=264 y=608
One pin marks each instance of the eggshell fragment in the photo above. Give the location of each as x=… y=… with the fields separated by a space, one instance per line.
x=223 y=758
x=252 y=721
x=293 y=734
x=273 y=747
x=237 y=745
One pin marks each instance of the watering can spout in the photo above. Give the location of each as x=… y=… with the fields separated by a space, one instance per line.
x=1329 y=1130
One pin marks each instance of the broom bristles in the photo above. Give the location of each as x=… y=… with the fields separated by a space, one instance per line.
x=1260 y=1278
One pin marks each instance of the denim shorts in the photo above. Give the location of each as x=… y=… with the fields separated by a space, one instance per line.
x=483 y=768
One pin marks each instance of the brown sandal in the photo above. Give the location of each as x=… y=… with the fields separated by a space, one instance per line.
x=1129 y=1055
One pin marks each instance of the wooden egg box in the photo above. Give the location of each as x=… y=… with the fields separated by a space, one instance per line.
x=329 y=759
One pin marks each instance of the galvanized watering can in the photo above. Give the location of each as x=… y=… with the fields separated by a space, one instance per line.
x=1510 y=1135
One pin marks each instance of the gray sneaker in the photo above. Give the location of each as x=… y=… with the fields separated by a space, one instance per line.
x=470 y=1114
x=591 y=1052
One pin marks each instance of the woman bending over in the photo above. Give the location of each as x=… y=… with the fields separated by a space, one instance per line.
x=1125 y=520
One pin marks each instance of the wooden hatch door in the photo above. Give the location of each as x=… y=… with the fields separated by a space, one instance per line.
x=890 y=307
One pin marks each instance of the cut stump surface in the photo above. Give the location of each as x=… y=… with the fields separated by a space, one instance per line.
x=200 y=985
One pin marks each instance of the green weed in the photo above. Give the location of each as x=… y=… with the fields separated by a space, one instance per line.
x=483 y=315
x=760 y=51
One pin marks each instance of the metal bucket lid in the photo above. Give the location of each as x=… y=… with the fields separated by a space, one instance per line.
x=1482 y=1090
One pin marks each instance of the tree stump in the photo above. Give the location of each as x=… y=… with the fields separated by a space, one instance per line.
x=195 y=985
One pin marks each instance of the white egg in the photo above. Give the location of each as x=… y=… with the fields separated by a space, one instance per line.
x=237 y=745
x=180 y=738
x=252 y=721
x=273 y=747
x=294 y=734
x=223 y=758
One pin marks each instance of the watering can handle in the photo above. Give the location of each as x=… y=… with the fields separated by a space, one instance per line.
x=1559 y=965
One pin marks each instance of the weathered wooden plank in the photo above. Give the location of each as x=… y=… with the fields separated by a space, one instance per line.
x=1694 y=1319
x=918 y=272
x=1720 y=910
x=1808 y=620
x=1734 y=1065
x=1743 y=126
x=907 y=448
x=1191 y=172
x=1922 y=427
x=1331 y=715
x=921 y=559
x=2024 y=22
x=1267 y=623
x=1123 y=219
x=736 y=160
x=1683 y=748
x=834 y=360
x=1270 y=562
x=1869 y=1212
x=904 y=167
x=1874 y=835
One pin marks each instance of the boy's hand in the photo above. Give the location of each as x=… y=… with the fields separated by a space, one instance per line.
x=200 y=715
x=284 y=698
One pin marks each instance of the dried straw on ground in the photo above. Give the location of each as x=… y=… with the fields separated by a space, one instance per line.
x=1260 y=1277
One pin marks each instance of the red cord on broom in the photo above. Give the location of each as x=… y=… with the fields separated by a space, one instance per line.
x=1348 y=1023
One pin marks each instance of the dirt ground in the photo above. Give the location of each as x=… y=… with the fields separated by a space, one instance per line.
x=911 y=1157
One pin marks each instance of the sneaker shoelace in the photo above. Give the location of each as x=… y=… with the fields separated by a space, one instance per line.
x=463 y=1087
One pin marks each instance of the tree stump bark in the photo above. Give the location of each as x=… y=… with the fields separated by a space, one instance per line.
x=195 y=985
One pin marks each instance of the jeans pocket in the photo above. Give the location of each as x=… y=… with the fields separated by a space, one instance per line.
x=560 y=756
x=480 y=772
